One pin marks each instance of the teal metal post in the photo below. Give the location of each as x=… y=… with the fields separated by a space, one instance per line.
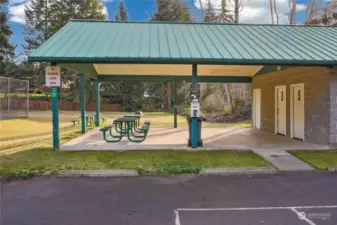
x=175 y=103
x=194 y=136
x=98 y=109
x=82 y=102
x=54 y=91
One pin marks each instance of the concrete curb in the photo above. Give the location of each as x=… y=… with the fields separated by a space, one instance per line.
x=238 y=171
x=98 y=173
x=333 y=168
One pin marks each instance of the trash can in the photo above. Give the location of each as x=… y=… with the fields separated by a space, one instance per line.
x=199 y=123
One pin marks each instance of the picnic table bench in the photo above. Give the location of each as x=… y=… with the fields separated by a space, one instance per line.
x=90 y=119
x=75 y=121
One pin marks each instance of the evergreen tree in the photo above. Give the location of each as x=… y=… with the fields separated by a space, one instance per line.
x=171 y=10
x=209 y=14
x=122 y=13
x=184 y=13
x=225 y=14
x=46 y=17
x=6 y=48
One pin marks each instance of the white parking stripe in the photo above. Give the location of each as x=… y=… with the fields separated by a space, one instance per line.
x=302 y=216
x=177 y=220
x=257 y=208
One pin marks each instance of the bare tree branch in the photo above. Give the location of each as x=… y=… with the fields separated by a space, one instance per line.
x=317 y=12
x=307 y=11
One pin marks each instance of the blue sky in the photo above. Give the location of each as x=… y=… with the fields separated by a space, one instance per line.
x=256 y=11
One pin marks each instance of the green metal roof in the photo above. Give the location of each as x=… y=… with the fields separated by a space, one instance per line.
x=82 y=41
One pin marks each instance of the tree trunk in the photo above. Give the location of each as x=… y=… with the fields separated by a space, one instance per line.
x=164 y=93
x=292 y=8
x=271 y=11
x=169 y=96
x=236 y=11
x=229 y=97
x=276 y=13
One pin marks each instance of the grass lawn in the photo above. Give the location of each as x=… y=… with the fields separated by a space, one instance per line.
x=44 y=161
x=318 y=159
x=40 y=122
x=22 y=134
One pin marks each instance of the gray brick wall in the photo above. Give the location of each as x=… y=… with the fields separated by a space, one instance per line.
x=316 y=102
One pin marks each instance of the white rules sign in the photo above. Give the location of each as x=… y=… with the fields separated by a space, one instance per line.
x=53 y=76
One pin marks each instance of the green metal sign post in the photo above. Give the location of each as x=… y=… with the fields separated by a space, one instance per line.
x=97 y=104
x=194 y=141
x=82 y=102
x=55 y=115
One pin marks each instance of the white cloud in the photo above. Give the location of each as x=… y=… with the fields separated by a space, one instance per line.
x=17 y=10
x=300 y=7
x=257 y=11
x=14 y=2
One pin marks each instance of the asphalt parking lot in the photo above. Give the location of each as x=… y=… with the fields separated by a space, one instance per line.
x=274 y=199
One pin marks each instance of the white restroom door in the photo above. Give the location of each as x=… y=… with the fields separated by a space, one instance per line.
x=297 y=121
x=257 y=108
x=280 y=110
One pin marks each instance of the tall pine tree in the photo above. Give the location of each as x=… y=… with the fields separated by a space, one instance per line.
x=46 y=17
x=209 y=13
x=6 y=48
x=121 y=13
x=171 y=10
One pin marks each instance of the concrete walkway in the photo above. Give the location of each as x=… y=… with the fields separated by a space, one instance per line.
x=282 y=160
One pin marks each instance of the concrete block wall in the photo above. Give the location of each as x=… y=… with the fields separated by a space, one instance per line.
x=316 y=102
x=333 y=108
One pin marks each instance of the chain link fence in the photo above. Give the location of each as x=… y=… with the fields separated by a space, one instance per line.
x=14 y=98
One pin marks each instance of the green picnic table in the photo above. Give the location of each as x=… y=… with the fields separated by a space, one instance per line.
x=138 y=116
x=126 y=126
x=91 y=118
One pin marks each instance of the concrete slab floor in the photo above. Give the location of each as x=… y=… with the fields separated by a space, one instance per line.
x=213 y=138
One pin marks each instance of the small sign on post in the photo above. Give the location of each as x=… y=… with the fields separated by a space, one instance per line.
x=53 y=80
x=53 y=76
